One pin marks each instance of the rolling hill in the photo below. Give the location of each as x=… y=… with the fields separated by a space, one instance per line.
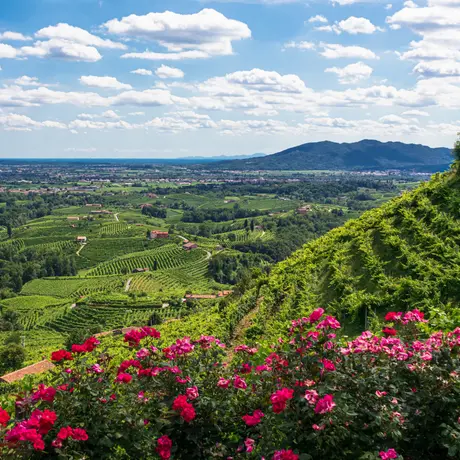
x=363 y=155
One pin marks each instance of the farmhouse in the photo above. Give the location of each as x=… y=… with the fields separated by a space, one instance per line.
x=304 y=209
x=141 y=270
x=224 y=293
x=73 y=218
x=154 y=234
x=152 y=195
x=146 y=205
x=81 y=239
x=189 y=246
x=94 y=205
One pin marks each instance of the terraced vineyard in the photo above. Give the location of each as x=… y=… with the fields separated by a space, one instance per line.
x=242 y=236
x=113 y=229
x=168 y=256
x=56 y=245
x=101 y=249
x=104 y=317
x=72 y=286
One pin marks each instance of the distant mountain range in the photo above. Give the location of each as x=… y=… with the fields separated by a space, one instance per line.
x=363 y=155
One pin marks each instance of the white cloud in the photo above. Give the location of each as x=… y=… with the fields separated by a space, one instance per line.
x=14 y=36
x=73 y=34
x=447 y=68
x=64 y=41
x=28 y=81
x=300 y=45
x=184 y=36
x=415 y=113
x=318 y=18
x=394 y=120
x=110 y=114
x=100 y=125
x=354 y=25
x=62 y=49
x=352 y=73
x=17 y=122
x=144 y=72
x=103 y=82
x=136 y=114
x=335 y=51
x=388 y=6
x=169 y=72
x=7 y=52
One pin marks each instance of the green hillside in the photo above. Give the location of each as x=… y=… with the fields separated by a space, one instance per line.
x=402 y=255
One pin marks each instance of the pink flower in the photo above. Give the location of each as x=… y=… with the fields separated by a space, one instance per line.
x=4 y=417
x=285 y=455
x=389 y=454
x=142 y=353
x=318 y=427
x=328 y=365
x=164 y=445
x=124 y=378
x=393 y=316
x=315 y=315
x=311 y=396
x=239 y=383
x=254 y=419
x=192 y=393
x=389 y=331
x=223 y=383
x=328 y=322
x=97 y=369
x=249 y=443
x=186 y=410
x=280 y=398
x=324 y=405
x=427 y=356
x=380 y=394
x=61 y=355
x=44 y=393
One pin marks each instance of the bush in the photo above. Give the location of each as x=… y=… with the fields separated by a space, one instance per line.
x=391 y=395
x=11 y=357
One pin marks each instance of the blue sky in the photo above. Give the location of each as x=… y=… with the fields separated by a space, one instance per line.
x=146 y=78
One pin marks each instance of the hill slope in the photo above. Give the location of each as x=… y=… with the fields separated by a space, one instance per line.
x=366 y=154
x=401 y=256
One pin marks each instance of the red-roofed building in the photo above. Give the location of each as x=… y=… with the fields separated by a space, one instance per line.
x=157 y=234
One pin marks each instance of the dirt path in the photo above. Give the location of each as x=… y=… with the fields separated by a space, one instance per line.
x=238 y=333
x=116 y=217
x=128 y=284
x=79 y=249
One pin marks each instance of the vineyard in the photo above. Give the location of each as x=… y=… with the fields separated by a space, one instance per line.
x=168 y=256
x=242 y=236
x=72 y=287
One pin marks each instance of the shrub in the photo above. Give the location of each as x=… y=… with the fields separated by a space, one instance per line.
x=314 y=396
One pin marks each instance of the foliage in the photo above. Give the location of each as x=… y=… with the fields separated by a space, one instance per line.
x=294 y=400
x=12 y=356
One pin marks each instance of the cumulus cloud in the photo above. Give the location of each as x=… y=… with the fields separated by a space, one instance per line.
x=184 y=36
x=303 y=45
x=169 y=72
x=352 y=26
x=28 y=81
x=318 y=18
x=447 y=68
x=353 y=73
x=144 y=72
x=14 y=36
x=7 y=52
x=335 y=51
x=17 y=122
x=103 y=82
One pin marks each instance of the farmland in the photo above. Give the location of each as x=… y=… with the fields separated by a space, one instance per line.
x=81 y=260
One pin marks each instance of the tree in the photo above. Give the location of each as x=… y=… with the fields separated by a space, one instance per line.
x=252 y=225
x=9 y=230
x=12 y=357
x=155 y=264
x=456 y=153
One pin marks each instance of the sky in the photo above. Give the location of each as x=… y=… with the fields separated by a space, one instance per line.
x=178 y=78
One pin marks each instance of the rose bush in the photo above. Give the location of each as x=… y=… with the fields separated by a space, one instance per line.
x=313 y=396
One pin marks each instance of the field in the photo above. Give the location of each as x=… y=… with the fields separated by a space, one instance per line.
x=118 y=277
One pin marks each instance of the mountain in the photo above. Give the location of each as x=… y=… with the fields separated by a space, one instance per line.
x=363 y=155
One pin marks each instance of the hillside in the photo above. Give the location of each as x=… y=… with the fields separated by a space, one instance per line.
x=363 y=155
x=402 y=255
